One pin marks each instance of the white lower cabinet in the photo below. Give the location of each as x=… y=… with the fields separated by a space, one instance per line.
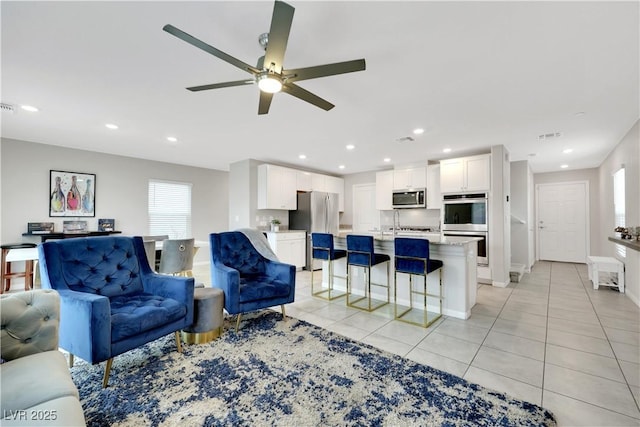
x=289 y=247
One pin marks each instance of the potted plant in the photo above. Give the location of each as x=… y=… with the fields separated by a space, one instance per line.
x=275 y=224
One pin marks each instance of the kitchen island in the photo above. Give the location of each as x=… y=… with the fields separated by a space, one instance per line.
x=459 y=279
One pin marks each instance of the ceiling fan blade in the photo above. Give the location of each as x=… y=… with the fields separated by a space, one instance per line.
x=209 y=49
x=221 y=85
x=305 y=95
x=324 y=70
x=278 y=35
x=265 y=102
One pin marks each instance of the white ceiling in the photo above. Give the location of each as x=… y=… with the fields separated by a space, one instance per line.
x=472 y=74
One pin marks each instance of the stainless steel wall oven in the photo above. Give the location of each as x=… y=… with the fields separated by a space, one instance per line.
x=465 y=212
x=468 y=215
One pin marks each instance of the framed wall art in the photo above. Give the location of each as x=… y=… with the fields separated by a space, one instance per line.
x=72 y=194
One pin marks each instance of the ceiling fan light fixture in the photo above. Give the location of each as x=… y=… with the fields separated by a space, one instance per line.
x=269 y=83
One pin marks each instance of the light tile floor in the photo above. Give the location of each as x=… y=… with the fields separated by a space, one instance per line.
x=549 y=339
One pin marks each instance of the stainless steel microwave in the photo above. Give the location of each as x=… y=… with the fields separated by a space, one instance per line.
x=413 y=198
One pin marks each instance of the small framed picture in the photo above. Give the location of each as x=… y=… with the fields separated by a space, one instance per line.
x=72 y=194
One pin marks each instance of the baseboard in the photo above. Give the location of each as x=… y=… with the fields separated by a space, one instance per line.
x=500 y=284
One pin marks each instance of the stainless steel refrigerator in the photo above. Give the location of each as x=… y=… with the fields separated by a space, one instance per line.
x=317 y=213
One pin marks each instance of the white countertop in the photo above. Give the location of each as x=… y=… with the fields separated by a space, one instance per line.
x=434 y=238
x=286 y=231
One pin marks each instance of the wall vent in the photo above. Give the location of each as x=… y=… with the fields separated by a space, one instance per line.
x=548 y=136
x=7 y=108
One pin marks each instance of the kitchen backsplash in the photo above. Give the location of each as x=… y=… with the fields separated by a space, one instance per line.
x=412 y=217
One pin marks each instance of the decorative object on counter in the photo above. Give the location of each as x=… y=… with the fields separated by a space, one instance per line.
x=106 y=224
x=275 y=224
x=39 y=227
x=74 y=226
x=71 y=194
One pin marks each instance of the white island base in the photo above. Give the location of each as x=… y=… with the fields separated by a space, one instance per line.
x=459 y=280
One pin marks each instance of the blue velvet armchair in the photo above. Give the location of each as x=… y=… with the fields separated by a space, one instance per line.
x=249 y=280
x=110 y=300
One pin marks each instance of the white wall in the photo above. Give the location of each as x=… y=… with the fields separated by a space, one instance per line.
x=521 y=206
x=121 y=190
x=627 y=152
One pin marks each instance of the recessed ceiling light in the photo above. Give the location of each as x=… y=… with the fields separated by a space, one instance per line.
x=341 y=167
x=580 y=113
x=564 y=166
x=29 y=108
x=386 y=159
x=446 y=150
x=350 y=147
x=111 y=126
x=567 y=150
x=418 y=131
x=302 y=156
x=532 y=154
x=172 y=139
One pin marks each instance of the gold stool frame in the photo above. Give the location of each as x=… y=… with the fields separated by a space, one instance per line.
x=425 y=294
x=369 y=283
x=329 y=290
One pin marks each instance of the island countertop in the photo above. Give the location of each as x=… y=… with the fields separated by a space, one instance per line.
x=434 y=238
x=459 y=274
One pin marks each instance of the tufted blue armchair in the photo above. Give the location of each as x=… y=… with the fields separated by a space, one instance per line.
x=110 y=300
x=249 y=280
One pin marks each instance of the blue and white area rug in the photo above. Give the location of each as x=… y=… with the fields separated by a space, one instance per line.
x=287 y=373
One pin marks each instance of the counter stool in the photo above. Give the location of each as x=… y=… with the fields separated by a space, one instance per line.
x=322 y=249
x=412 y=258
x=360 y=253
x=6 y=274
x=208 y=316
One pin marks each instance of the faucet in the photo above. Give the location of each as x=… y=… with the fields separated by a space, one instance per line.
x=396 y=221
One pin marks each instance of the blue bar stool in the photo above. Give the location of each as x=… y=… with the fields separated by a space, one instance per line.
x=360 y=254
x=412 y=258
x=322 y=249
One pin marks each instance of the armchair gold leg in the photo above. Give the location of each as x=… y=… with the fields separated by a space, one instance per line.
x=284 y=314
x=70 y=360
x=178 y=342
x=107 y=371
x=238 y=322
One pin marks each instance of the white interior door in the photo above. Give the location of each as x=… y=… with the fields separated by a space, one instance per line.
x=562 y=212
x=365 y=215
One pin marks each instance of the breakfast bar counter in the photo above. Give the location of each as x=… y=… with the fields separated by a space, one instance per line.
x=459 y=278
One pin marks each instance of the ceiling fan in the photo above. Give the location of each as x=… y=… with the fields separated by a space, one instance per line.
x=269 y=73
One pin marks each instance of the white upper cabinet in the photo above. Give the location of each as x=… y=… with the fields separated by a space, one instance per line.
x=466 y=174
x=276 y=187
x=384 y=190
x=409 y=178
x=434 y=196
x=335 y=185
x=303 y=181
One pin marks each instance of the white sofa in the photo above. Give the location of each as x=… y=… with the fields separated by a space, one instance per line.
x=36 y=385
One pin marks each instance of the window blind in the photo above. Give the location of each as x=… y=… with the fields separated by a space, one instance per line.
x=170 y=209
x=618 y=207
